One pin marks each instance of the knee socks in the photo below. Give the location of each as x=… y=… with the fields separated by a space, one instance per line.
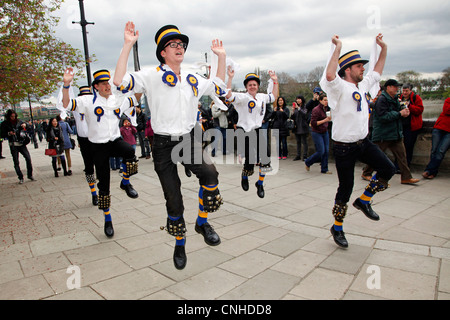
x=107 y=215
x=92 y=187
x=366 y=197
x=261 y=177
x=202 y=215
x=125 y=176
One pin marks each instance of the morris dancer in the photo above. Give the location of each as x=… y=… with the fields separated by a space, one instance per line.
x=102 y=116
x=173 y=95
x=251 y=107
x=348 y=99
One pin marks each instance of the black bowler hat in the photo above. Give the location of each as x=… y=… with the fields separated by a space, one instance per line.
x=164 y=35
x=392 y=82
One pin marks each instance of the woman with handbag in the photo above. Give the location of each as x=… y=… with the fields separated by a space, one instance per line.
x=55 y=149
x=66 y=132
x=281 y=116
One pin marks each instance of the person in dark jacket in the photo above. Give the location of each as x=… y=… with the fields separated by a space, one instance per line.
x=388 y=130
x=15 y=131
x=301 y=129
x=141 y=121
x=319 y=132
x=280 y=115
x=55 y=140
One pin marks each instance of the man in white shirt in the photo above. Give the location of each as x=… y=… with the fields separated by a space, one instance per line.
x=348 y=100
x=173 y=97
x=251 y=108
x=102 y=115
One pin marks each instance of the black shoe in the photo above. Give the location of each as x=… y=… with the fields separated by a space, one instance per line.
x=244 y=184
x=210 y=236
x=56 y=174
x=339 y=237
x=129 y=190
x=95 y=200
x=366 y=208
x=296 y=158
x=179 y=257
x=109 y=230
x=260 y=191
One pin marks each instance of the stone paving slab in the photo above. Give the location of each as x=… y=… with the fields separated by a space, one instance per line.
x=276 y=248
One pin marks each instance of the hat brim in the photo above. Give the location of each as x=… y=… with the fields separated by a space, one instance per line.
x=166 y=39
x=254 y=79
x=348 y=65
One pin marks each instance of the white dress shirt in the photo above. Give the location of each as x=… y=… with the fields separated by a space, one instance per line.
x=173 y=107
x=102 y=115
x=349 y=124
x=251 y=110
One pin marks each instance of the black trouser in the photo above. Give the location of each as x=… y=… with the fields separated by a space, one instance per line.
x=102 y=153
x=15 y=150
x=255 y=151
x=88 y=155
x=165 y=160
x=365 y=151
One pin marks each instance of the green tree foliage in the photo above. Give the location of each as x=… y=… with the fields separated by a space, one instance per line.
x=32 y=59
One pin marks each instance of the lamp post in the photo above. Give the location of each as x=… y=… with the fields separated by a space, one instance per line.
x=83 y=24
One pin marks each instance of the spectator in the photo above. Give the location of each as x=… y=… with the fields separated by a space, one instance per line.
x=280 y=115
x=66 y=132
x=319 y=132
x=314 y=102
x=55 y=138
x=149 y=135
x=141 y=119
x=387 y=129
x=440 y=142
x=221 y=123
x=413 y=123
x=128 y=133
x=301 y=129
x=16 y=132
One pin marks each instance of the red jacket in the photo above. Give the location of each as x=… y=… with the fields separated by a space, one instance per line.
x=416 y=110
x=443 y=122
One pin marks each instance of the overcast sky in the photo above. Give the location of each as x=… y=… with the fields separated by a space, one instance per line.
x=290 y=36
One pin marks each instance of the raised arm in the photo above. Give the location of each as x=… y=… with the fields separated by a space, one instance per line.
x=230 y=72
x=130 y=38
x=276 y=89
x=219 y=51
x=383 y=54
x=334 y=61
x=67 y=80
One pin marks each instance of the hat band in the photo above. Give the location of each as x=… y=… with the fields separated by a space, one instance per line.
x=251 y=75
x=349 y=58
x=167 y=32
x=102 y=76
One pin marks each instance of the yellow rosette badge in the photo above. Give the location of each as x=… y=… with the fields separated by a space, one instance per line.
x=192 y=80
x=251 y=106
x=170 y=78
x=357 y=98
x=99 y=112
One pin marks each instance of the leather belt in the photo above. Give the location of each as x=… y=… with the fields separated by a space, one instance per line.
x=357 y=143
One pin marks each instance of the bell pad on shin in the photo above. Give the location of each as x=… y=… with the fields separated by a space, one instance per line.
x=104 y=201
x=340 y=211
x=212 y=200
x=90 y=178
x=131 y=166
x=176 y=228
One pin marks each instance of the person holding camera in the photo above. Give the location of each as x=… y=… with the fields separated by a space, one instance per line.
x=16 y=132
x=301 y=129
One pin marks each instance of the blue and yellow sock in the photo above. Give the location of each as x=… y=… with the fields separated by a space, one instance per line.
x=107 y=215
x=338 y=226
x=261 y=177
x=366 y=197
x=179 y=241
x=93 y=191
x=125 y=176
x=202 y=215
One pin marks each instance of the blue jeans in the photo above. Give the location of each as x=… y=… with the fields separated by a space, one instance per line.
x=439 y=146
x=322 y=143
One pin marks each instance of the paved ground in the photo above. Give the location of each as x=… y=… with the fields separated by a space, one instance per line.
x=274 y=248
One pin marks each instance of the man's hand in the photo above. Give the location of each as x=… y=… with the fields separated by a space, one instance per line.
x=218 y=48
x=336 y=41
x=273 y=76
x=230 y=72
x=68 y=76
x=130 y=34
x=380 y=41
x=404 y=112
